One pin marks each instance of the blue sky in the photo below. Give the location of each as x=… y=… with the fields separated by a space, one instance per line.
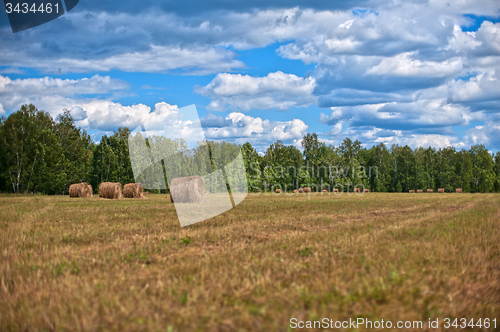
x=413 y=72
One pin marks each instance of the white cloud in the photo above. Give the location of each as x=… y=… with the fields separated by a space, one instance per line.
x=414 y=141
x=107 y=115
x=404 y=65
x=488 y=135
x=419 y=116
x=481 y=92
x=53 y=94
x=78 y=113
x=247 y=128
x=196 y=61
x=274 y=91
x=462 y=41
x=489 y=35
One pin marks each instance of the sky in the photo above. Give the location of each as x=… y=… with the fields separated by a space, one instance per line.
x=417 y=73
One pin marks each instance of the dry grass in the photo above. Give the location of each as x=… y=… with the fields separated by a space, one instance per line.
x=126 y=265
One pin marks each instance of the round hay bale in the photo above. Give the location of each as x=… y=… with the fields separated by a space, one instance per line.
x=325 y=191
x=295 y=191
x=441 y=190
x=133 y=190
x=90 y=191
x=80 y=190
x=110 y=190
x=458 y=190
x=420 y=191
x=305 y=190
x=411 y=191
x=335 y=190
x=190 y=189
x=278 y=191
x=356 y=190
x=367 y=190
x=430 y=191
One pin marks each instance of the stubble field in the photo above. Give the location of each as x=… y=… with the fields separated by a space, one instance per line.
x=108 y=265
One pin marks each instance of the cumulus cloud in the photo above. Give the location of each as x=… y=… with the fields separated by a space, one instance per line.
x=404 y=65
x=423 y=116
x=244 y=128
x=480 y=93
x=195 y=61
x=488 y=134
x=167 y=120
x=274 y=91
x=415 y=141
x=54 y=94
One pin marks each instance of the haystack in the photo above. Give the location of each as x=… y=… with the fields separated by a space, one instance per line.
x=80 y=190
x=305 y=190
x=441 y=190
x=190 y=189
x=367 y=190
x=430 y=191
x=278 y=191
x=420 y=191
x=412 y=191
x=458 y=190
x=111 y=190
x=133 y=190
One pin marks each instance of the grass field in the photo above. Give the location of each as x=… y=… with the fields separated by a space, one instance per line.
x=102 y=265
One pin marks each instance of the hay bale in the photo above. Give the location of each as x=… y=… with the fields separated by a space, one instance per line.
x=295 y=191
x=90 y=191
x=441 y=190
x=278 y=191
x=111 y=190
x=190 y=189
x=430 y=191
x=325 y=191
x=335 y=190
x=412 y=191
x=458 y=190
x=356 y=190
x=419 y=191
x=305 y=190
x=80 y=190
x=133 y=190
x=367 y=190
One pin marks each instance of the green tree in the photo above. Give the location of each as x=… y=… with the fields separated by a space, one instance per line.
x=496 y=169
x=483 y=176
x=34 y=160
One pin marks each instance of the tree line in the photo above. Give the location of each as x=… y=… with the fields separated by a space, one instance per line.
x=40 y=154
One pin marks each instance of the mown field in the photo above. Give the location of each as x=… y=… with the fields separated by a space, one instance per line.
x=102 y=265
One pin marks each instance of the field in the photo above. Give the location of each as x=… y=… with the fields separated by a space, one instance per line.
x=103 y=265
